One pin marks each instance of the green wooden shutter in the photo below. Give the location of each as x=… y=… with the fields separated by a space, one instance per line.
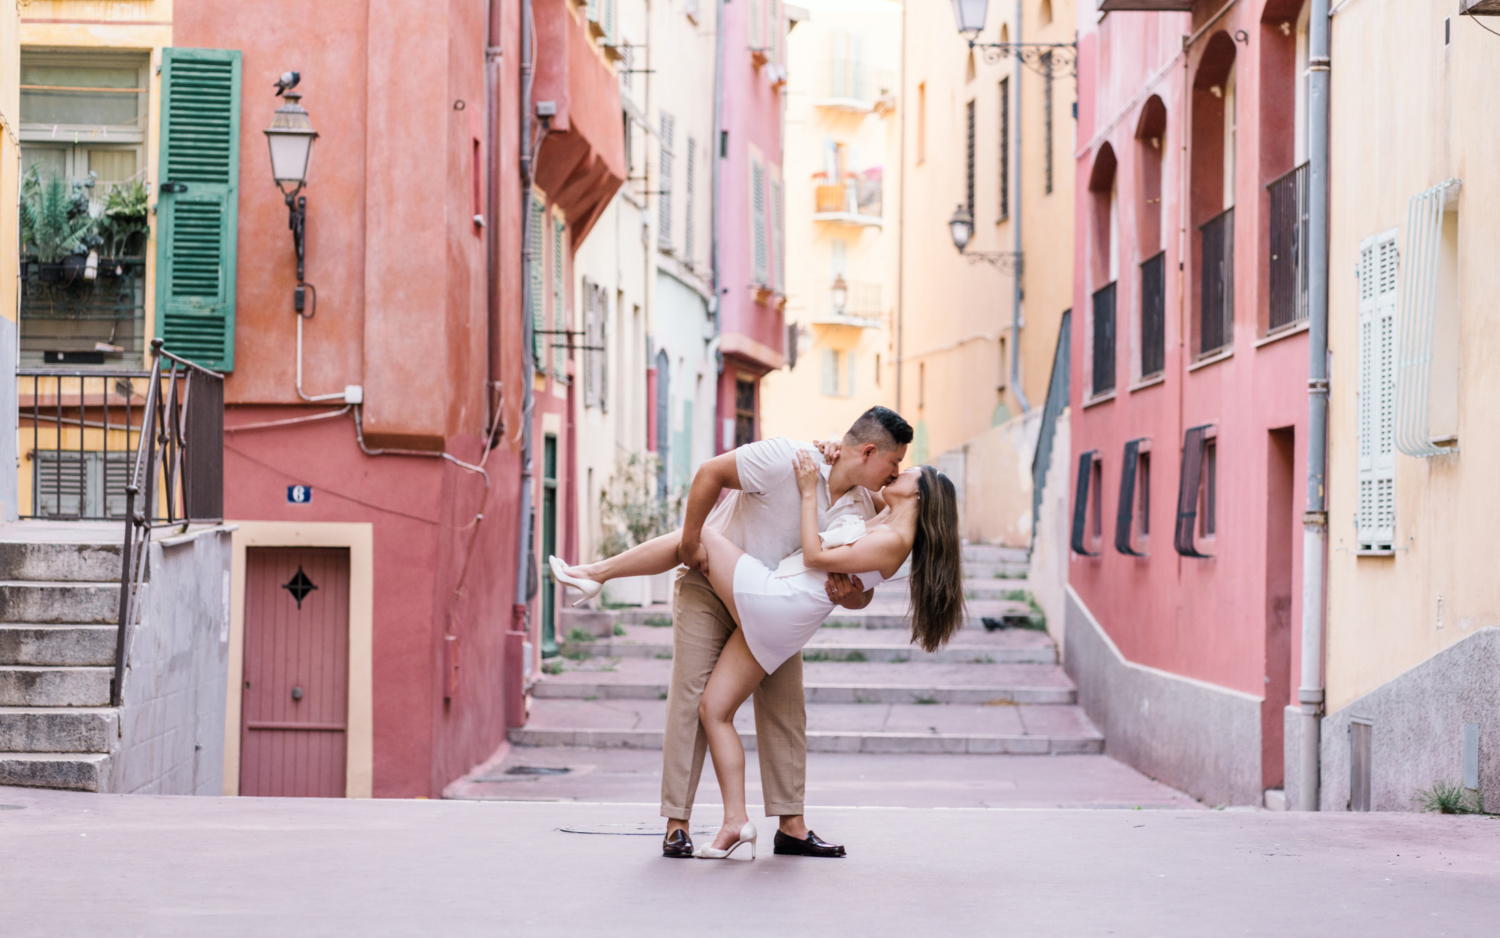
x=538 y=300
x=195 y=237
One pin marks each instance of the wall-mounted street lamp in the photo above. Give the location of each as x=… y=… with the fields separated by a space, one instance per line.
x=840 y=295
x=961 y=228
x=291 y=138
x=1044 y=58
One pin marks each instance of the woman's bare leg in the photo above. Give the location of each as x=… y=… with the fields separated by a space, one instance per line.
x=734 y=678
x=723 y=557
x=657 y=555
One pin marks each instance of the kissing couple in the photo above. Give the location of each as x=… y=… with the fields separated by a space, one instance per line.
x=803 y=529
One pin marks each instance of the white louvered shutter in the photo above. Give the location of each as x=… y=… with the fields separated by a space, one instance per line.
x=688 y=206
x=664 y=203
x=758 y=218
x=590 y=386
x=830 y=372
x=1377 y=393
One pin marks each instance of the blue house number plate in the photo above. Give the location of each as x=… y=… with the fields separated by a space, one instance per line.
x=299 y=494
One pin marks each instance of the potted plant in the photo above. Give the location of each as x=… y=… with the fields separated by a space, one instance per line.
x=122 y=226
x=54 y=226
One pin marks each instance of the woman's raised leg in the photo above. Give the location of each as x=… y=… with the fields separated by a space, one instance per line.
x=734 y=678
x=657 y=555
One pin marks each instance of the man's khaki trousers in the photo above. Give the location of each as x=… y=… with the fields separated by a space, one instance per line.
x=700 y=627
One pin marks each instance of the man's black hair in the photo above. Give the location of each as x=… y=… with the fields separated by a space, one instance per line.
x=881 y=426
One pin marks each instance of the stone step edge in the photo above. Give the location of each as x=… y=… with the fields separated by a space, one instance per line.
x=979 y=696
x=28 y=770
x=832 y=741
x=968 y=654
x=63 y=584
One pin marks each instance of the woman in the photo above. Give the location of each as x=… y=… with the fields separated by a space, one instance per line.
x=778 y=611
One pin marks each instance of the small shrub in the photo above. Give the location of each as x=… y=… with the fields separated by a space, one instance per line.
x=579 y=636
x=815 y=654
x=658 y=622
x=926 y=700
x=856 y=656
x=1448 y=798
x=619 y=630
x=630 y=507
x=552 y=666
x=576 y=654
x=1015 y=596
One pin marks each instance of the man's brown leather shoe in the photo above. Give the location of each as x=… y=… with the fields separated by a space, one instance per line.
x=813 y=846
x=678 y=845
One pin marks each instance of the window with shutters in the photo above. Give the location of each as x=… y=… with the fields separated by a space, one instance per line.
x=664 y=183
x=82 y=123
x=590 y=325
x=778 y=229
x=1376 y=522
x=1047 y=122
x=196 y=219
x=744 y=411
x=560 y=318
x=1004 y=149
x=536 y=246
x=757 y=26
x=969 y=159
x=758 y=219
x=688 y=202
x=831 y=362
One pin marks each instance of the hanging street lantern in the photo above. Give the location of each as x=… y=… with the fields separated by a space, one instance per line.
x=840 y=295
x=970 y=16
x=291 y=137
x=961 y=226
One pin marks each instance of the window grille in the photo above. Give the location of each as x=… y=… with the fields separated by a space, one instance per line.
x=1154 y=315
x=1104 y=340
x=1289 y=270
x=1377 y=393
x=744 y=412
x=1216 y=310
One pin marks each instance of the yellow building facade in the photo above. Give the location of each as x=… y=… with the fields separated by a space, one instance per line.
x=1413 y=601
x=841 y=162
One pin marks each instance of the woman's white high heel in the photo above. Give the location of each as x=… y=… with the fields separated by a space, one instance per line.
x=589 y=588
x=747 y=836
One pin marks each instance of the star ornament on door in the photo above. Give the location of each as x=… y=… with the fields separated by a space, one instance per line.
x=299 y=586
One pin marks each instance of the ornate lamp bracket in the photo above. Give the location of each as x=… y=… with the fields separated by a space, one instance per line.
x=1044 y=58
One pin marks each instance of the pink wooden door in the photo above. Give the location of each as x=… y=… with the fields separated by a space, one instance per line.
x=296 y=693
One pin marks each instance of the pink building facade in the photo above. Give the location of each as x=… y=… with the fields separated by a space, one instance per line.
x=749 y=225
x=1188 y=389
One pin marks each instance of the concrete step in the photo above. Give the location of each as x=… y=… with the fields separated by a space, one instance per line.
x=995 y=553
x=1011 y=646
x=46 y=729
x=47 y=602
x=73 y=562
x=976 y=570
x=832 y=682
x=886 y=614
x=31 y=686
x=83 y=771
x=886 y=728
x=1015 y=590
x=57 y=645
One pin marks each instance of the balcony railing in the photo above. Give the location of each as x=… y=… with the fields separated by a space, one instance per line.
x=862 y=306
x=851 y=85
x=1216 y=313
x=1104 y=340
x=67 y=319
x=1289 y=226
x=854 y=199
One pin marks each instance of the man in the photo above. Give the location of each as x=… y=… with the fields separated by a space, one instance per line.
x=762 y=518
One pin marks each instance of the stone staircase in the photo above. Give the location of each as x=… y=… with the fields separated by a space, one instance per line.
x=996 y=688
x=58 y=618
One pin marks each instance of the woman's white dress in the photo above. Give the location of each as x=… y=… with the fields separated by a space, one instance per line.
x=780 y=610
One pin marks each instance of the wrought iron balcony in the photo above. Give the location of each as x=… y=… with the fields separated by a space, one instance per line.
x=855 y=199
x=67 y=319
x=1216 y=312
x=1289 y=230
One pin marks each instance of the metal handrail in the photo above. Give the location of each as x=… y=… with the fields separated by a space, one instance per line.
x=165 y=443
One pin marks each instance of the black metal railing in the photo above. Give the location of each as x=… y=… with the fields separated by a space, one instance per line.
x=176 y=476
x=1154 y=315
x=1104 y=340
x=1289 y=225
x=1216 y=313
x=84 y=427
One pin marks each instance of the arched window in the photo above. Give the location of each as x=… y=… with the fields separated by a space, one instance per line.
x=1150 y=136
x=1212 y=195
x=1104 y=266
x=1044 y=12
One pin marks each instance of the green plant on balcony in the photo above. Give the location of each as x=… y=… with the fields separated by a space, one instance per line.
x=55 y=222
x=122 y=226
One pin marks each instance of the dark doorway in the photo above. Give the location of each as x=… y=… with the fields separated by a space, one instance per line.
x=549 y=545
x=1280 y=535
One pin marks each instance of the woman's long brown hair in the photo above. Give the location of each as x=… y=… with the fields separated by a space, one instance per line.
x=937 y=576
